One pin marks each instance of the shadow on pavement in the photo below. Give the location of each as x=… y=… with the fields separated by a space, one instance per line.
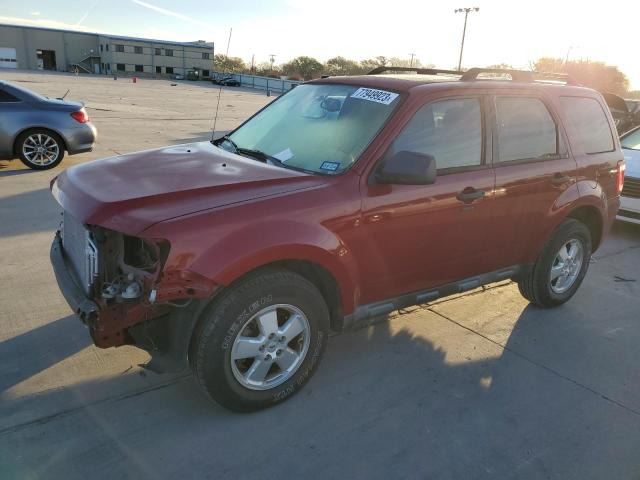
x=399 y=399
x=4 y=172
x=28 y=354
x=29 y=212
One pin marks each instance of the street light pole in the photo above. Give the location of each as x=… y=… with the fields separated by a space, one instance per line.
x=272 y=58
x=412 y=55
x=464 y=29
x=566 y=59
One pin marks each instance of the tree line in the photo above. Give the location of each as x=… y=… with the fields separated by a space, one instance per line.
x=593 y=74
x=307 y=68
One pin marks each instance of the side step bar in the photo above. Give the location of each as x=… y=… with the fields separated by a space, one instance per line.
x=365 y=312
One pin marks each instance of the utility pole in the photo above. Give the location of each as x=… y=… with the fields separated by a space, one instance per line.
x=253 y=62
x=464 y=30
x=412 y=55
x=272 y=58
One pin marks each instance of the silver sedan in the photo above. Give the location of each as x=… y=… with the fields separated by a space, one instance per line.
x=38 y=130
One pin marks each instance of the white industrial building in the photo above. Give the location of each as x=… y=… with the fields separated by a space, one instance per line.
x=35 y=48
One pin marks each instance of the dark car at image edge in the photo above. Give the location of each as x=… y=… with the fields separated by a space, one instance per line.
x=344 y=199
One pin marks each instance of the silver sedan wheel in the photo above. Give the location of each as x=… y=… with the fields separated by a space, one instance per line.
x=40 y=149
x=566 y=266
x=270 y=347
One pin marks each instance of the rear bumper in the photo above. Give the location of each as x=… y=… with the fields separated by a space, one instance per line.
x=629 y=210
x=84 y=307
x=81 y=139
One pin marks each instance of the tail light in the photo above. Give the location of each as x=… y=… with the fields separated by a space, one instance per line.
x=80 y=116
x=620 y=177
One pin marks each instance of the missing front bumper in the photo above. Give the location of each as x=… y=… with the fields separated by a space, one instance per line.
x=86 y=309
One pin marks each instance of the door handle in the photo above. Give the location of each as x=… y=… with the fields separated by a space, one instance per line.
x=468 y=195
x=560 y=179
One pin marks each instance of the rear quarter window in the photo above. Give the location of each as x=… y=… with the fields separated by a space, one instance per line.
x=590 y=122
x=6 y=97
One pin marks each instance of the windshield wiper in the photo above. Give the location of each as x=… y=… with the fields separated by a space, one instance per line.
x=260 y=155
x=257 y=154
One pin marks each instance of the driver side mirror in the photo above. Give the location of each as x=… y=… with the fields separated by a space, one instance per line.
x=407 y=168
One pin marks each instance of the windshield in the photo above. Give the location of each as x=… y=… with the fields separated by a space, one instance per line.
x=631 y=140
x=317 y=128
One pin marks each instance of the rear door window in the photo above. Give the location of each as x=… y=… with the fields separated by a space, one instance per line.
x=526 y=129
x=449 y=130
x=590 y=122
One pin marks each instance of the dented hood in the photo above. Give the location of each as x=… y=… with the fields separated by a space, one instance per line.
x=129 y=193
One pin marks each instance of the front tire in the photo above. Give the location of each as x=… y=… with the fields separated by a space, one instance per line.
x=260 y=341
x=560 y=268
x=40 y=149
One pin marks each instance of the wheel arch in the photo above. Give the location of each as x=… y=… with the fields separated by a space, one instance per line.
x=332 y=277
x=592 y=218
x=315 y=273
x=36 y=127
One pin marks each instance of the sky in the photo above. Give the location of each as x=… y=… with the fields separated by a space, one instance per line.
x=501 y=32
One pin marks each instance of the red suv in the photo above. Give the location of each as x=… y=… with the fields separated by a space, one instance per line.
x=344 y=199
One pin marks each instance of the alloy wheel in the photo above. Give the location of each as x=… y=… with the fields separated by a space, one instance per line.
x=566 y=266
x=40 y=149
x=270 y=347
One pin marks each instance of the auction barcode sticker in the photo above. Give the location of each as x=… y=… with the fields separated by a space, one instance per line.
x=373 y=95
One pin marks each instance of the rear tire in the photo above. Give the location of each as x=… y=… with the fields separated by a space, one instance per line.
x=560 y=268
x=40 y=149
x=260 y=341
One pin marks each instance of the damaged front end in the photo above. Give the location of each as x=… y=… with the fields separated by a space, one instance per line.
x=119 y=285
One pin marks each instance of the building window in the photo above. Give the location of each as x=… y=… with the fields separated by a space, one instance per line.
x=205 y=73
x=120 y=67
x=119 y=48
x=170 y=70
x=139 y=68
x=168 y=52
x=158 y=51
x=101 y=47
x=158 y=69
x=107 y=47
x=205 y=56
x=137 y=49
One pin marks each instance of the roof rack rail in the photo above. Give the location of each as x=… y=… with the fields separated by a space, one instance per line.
x=518 y=75
x=557 y=77
x=420 y=71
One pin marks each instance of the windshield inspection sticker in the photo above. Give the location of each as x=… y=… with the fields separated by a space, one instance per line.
x=284 y=155
x=379 y=96
x=331 y=166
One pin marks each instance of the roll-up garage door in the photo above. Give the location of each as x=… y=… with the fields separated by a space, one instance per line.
x=8 y=58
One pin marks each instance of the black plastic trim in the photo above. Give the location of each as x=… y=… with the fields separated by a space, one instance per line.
x=629 y=214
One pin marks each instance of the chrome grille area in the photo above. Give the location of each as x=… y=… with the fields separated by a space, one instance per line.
x=81 y=251
x=631 y=187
